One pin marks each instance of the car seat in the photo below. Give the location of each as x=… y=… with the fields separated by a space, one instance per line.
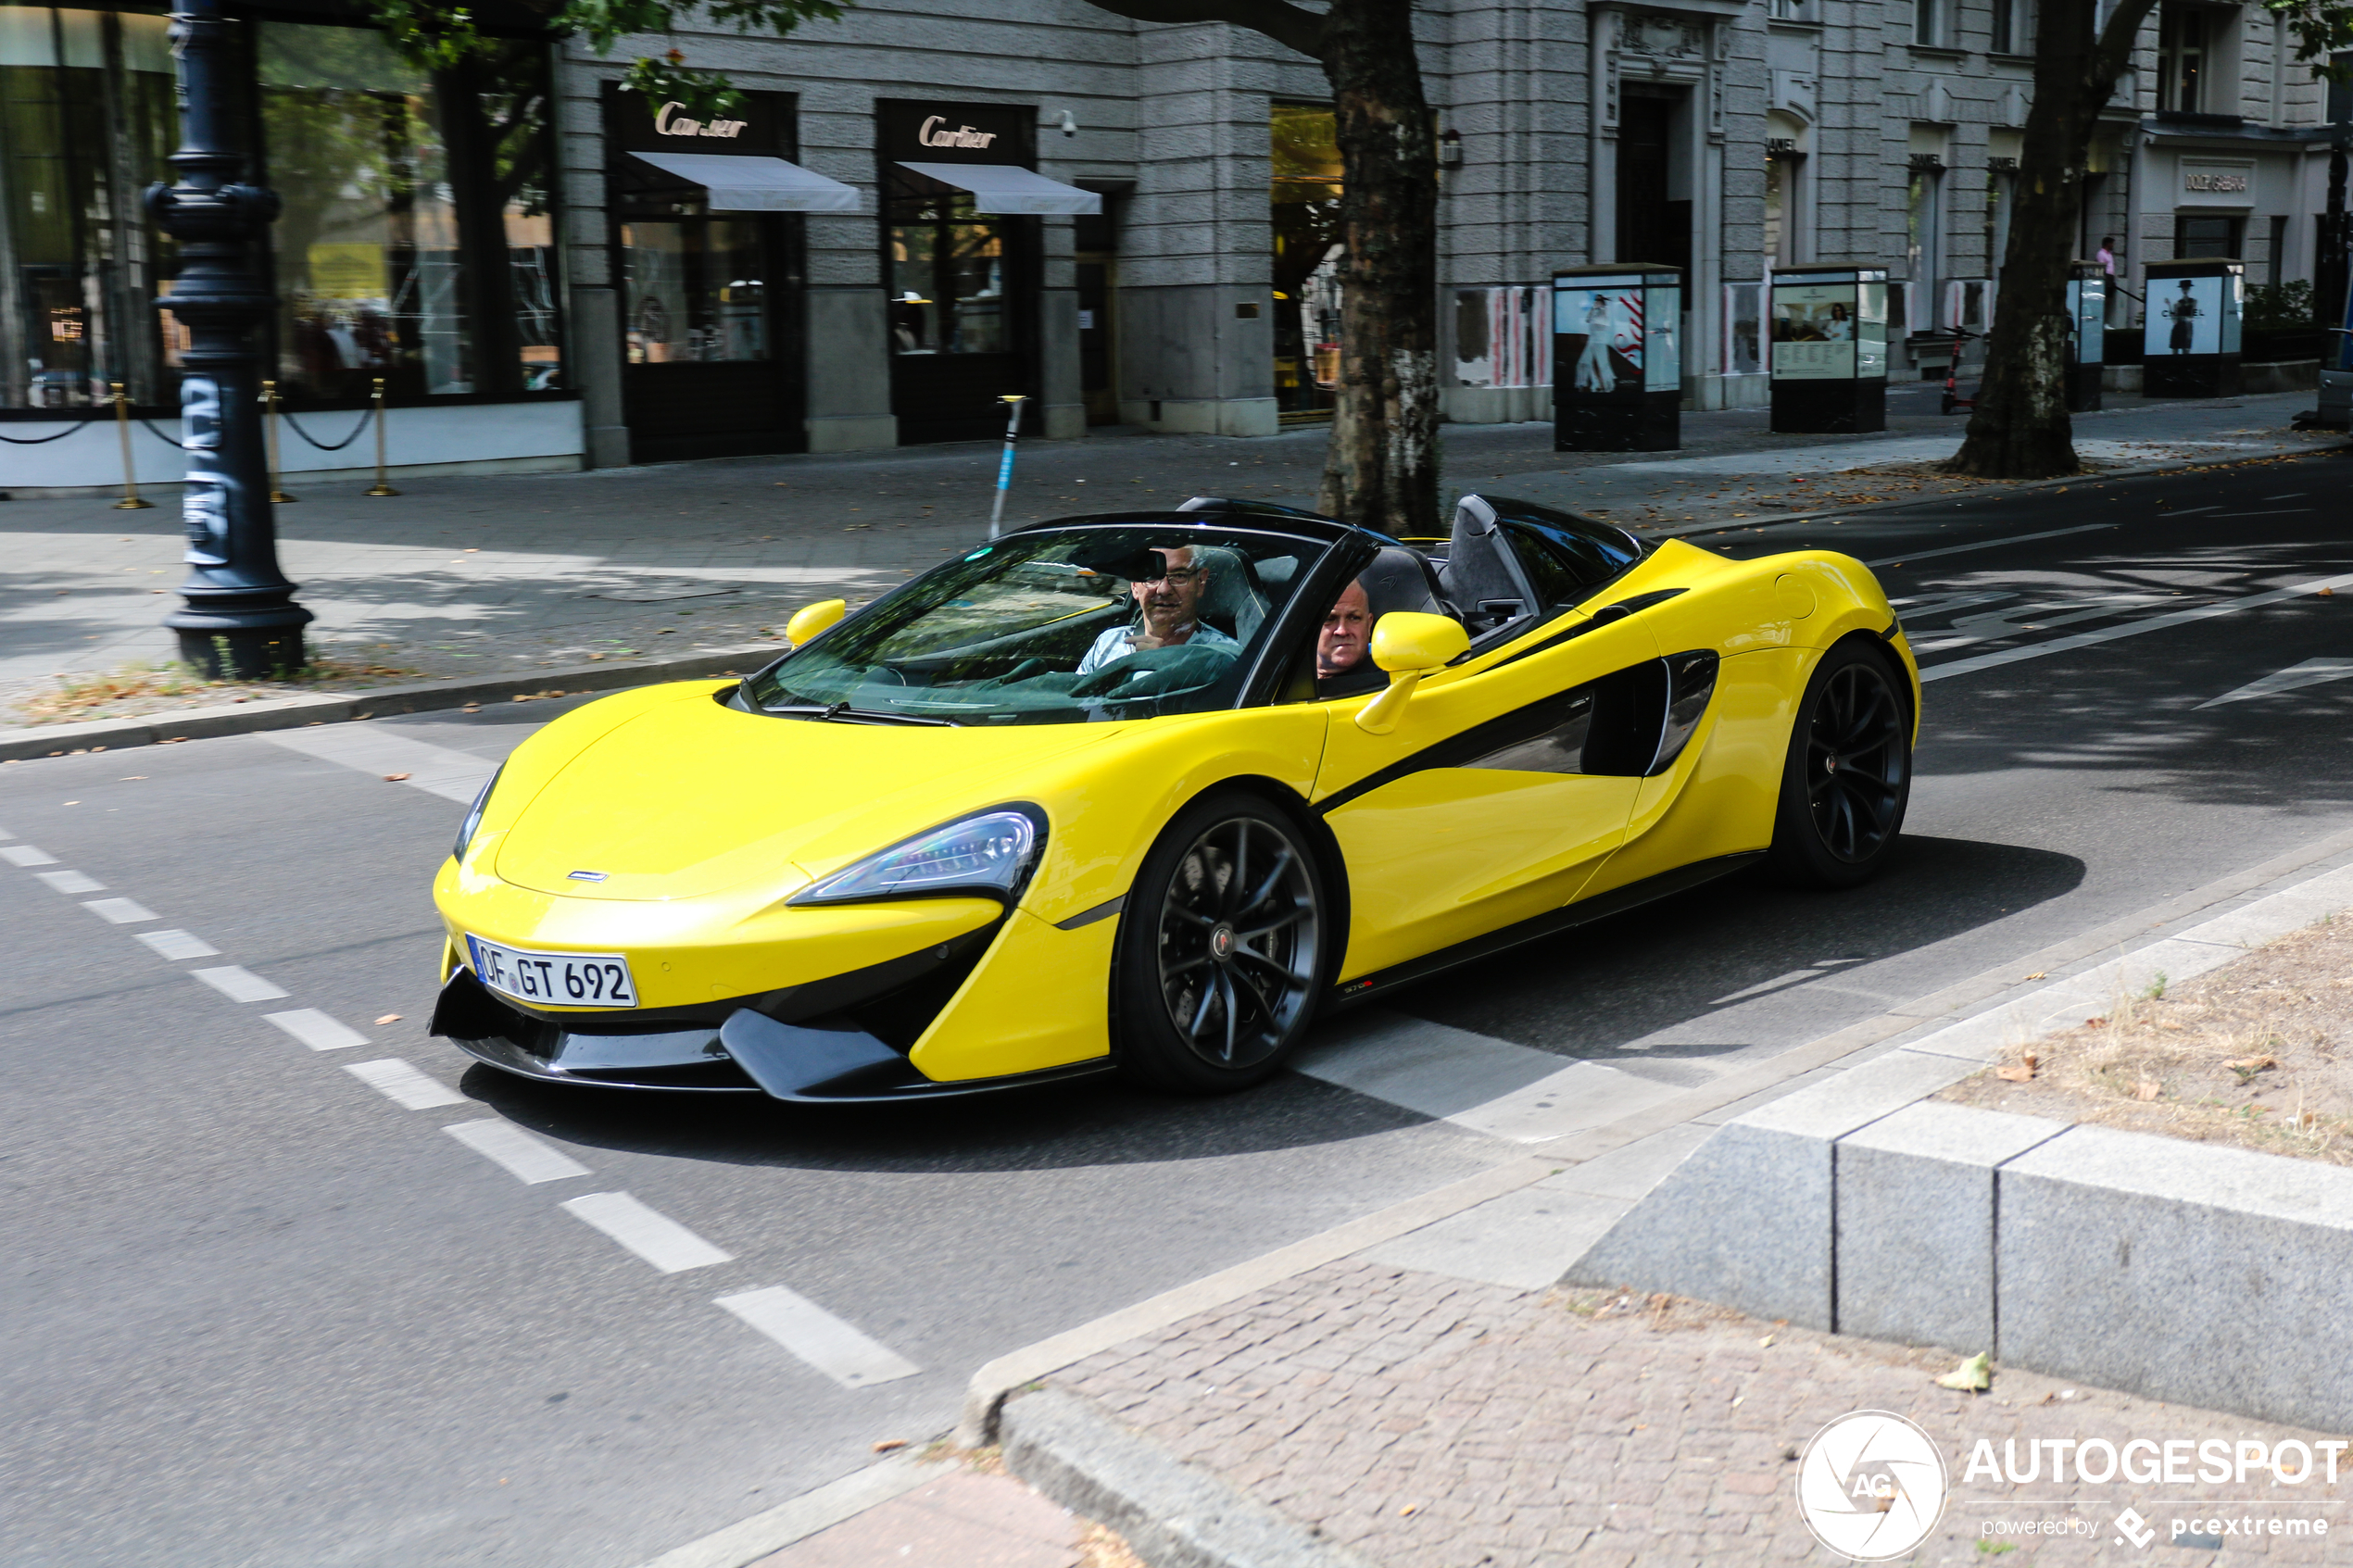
x=1400 y=579
x=1481 y=575
x=1230 y=598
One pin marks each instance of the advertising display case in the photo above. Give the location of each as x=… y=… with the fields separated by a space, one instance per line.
x=1617 y=360
x=1830 y=350
x=2086 y=335
x=2190 y=342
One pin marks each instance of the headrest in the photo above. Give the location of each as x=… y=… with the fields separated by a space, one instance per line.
x=1399 y=580
x=1227 y=597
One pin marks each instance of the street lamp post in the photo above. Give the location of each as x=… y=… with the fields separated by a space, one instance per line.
x=238 y=618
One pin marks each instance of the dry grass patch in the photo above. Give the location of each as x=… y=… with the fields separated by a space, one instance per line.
x=2257 y=1055
x=147 y=688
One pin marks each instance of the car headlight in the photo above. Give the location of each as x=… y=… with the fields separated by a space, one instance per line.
x=473 y=816
x=991 y=853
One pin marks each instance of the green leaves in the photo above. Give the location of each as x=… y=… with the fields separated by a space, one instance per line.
x=2324 y=32
x=1972 y=1376
x=429 y=35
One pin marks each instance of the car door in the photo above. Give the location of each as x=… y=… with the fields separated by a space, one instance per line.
x=1506 y=781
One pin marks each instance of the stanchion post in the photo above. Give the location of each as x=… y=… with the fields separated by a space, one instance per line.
x=278 y=496
x=1012 y=402
x=380 y=487
x=130 y=502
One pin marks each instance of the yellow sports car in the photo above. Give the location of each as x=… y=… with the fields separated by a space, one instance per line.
x=1152 y=790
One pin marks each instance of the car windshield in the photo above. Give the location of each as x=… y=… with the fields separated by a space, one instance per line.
x=1066 y=625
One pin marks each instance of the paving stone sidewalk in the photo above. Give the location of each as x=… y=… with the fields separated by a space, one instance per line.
x=510 y=573
x=1428 y=1422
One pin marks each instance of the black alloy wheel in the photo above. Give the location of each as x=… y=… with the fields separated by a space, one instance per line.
x=1221 y=950
x=1849 y=773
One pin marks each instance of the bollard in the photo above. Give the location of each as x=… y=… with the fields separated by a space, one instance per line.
x=130 y=502
x=278 y=497
x=380 y=487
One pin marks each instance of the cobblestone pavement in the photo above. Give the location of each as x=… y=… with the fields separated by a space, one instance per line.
x=512 y=572
x=1433 y=1422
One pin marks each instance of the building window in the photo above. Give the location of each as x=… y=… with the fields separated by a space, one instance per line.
x=1924 y=239
x=2001 y=186
x=1306 y=208
x=1793 y=11
x=2181 y=60
x=2205 y=238
x=2013 y=27
x=1928 y=23
x=86 y=118
x=415 y=241
x=1785 y=205
x=2277 y=257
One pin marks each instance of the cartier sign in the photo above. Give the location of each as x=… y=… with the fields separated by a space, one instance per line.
x=670 y=122
x=937 y=132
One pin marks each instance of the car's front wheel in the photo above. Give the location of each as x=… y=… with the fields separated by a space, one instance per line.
x=1220 y=949
x=1849 y=773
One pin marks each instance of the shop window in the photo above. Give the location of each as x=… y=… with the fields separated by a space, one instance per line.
x=415 y=241
x=1305 y=192
x=695 y=291
x=2181 y=47
x=1785 y=208
x=949 y=268
x=2206 y=238
x=1924 y=238
x=86 y=117
x=2001 y=186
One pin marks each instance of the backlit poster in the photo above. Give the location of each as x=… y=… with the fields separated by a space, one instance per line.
x=2184 y=317
x=1815 y=329
x=1601 y=330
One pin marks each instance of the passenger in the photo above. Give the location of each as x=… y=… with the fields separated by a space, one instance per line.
x=1170 y=607
x=1347 y=635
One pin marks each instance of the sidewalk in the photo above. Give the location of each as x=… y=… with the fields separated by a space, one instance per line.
x=509 y=574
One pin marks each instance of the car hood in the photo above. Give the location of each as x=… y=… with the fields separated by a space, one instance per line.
x=693 y=797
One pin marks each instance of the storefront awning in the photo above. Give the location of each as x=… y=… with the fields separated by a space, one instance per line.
x=756 y=184
x=1004 y=187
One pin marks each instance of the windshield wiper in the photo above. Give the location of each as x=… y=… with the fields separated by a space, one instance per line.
x=842 y=712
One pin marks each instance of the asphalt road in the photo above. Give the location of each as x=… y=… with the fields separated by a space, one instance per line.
x=260 y=1312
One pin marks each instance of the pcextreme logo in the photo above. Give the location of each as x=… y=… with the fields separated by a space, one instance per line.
x=1871 y=1485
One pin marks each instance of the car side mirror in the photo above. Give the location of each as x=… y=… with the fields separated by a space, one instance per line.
x=1409 y=646
x=809 y=620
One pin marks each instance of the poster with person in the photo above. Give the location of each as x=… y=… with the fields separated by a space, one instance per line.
x=1601 y=332
x=2184 y=317
x=1814 y=332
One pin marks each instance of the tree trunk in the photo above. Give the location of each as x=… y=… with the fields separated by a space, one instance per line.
x=2020 y=428
x=1381 y=468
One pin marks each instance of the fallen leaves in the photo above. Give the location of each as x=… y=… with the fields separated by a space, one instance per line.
x=1972 y=1376
x=887 y=1444
x=388 y=1017
x=396 y=778
x=2018 y=1072
x=2039 y=974
x=2147 y=1089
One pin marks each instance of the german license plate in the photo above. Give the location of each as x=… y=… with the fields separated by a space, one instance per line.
x=577 y=980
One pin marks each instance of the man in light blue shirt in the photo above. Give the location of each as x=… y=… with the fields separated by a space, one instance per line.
x=1171 y=605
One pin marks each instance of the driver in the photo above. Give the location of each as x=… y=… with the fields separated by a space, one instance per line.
x=1346 y=634
x=1170 y=606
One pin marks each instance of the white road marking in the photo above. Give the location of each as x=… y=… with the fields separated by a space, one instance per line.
x=316 y=1030
x=2283 y=511
x=2312 y=672
x=2134 y=628
x=71 y=882
x=819 y=1338
x=179 y=944
x=403 y=1084
x=523 y=1156
x=437 y=770
x=1993 y=626
x=239 y=984
x=26 y=855
x=654 y=1236
x=1782 y=982
x=120 y=911
x=1985 y=545
x=1489 y=1085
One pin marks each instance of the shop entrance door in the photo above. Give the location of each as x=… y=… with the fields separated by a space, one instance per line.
x=704 y=372
x=1652 y=226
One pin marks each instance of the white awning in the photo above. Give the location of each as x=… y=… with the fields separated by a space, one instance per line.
x=1004 y=187
x=756 y=184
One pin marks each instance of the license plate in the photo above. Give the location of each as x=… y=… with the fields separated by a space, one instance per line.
x=579 y=980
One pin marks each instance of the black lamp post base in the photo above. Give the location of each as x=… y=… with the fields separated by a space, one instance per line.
x=242 y=653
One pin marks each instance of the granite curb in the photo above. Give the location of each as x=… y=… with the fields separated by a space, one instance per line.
x=2173 y=1270
x=1172 y=1515
x=335 y=707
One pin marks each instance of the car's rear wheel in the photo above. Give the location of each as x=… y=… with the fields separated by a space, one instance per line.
x=1849 y=773
x=1220 y=949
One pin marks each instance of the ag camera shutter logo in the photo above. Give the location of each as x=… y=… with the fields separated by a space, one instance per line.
x=1871 y=1485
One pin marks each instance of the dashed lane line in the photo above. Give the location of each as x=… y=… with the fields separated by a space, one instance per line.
x=404 y=1084
x=238 y=983
x=653 y=1235
x=119 y=911
x=517 y=1152
x=178 y=945
x=317 y=1030
x=71 y=882
x=818 y=1337
x=436 y=769
x=2135 y=628
x=26 y=855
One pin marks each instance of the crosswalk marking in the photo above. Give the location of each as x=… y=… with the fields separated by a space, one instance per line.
x=2312 y=672
x=368 y=748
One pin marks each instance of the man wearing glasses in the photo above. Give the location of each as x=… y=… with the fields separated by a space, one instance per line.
x=1170 y=607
